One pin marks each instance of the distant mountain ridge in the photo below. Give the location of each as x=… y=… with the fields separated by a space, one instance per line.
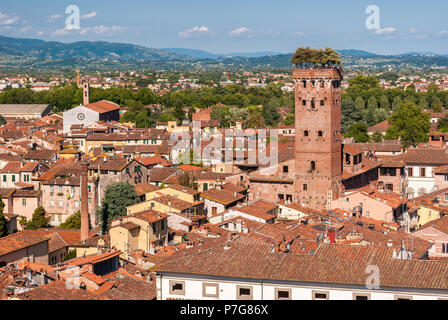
x=202 y=54
x=33 y=48
x=19 y=54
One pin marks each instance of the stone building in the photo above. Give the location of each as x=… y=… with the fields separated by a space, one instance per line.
x=90 y=113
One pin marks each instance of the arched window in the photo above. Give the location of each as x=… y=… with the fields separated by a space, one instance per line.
x=313 y=104
x=305 y=133
x=313 y=166
x=304 y=83
x=322 y=103
x=303 y=102
x=320 y=133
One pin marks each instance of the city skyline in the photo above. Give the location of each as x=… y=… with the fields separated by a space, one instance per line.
x=237 y=27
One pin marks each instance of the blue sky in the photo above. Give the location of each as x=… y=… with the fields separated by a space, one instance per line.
x=237 y=26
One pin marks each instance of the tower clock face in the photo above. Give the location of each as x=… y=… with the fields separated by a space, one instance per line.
x=81 y=116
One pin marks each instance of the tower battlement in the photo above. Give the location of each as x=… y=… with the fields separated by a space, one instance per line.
x=334 y=74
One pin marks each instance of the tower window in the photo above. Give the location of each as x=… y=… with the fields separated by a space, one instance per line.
x=320 y=133
x=305 y=133
x=312 y=83
x=285 y=169
x=322 y=103
x=313 y=104
x=313 y=165
x=304 y=83
x=305 y=187
x=303 y=102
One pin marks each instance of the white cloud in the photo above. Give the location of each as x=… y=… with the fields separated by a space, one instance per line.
x=194 y=31
x=103 y=30
x=443 y=33
x=54 y=17
x=60 y=32
x=89 y=15
x=39 y=33
x=239 y=31
x=385 y=30
x=6 y=19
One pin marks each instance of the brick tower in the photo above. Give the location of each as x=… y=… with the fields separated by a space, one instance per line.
x=86 y=93
x=84 y=202
x=318 y=154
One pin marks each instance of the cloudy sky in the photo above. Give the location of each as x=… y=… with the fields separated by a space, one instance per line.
x=237 y=26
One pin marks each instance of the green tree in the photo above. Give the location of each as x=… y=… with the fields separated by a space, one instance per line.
x=71 y=254
x=2 y=120
x=118 y=196
x=256 y=121
x=165 y=117
x=442 y=124
x=384 y=102
x=410 y=124
x=358 y=131
x=3 y=222
x=396 y=103
x=72 y=222
x=377 y=136
x=289 y=120
x=38 y=219
x=270 y=114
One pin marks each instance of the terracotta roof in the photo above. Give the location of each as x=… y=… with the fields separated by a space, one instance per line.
x=144 y=148
x=233 y=187
x=425 y=156
x=106 y=137
x=174 y=202
x=150 y=216
x=19 y=241
x=40 y=154
x=57 y=290
x=384 y=146
x=103 y=106
x=331 y=263
x=183 y=189
x=222 y=196
x=27 y=193
x=160 y=174
x=151 y=161
x=265 y=205
x=145 y=187
x=189 y=168
x=109 y=164
x=439 y=224
x=381 y=127
x=93 y=259
x=351 y=149
x=12 y=167
x=256 y=212
x=6 y=192
x=128 y=225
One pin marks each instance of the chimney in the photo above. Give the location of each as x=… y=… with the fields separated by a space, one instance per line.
x=86 y=93
x=84 y=204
